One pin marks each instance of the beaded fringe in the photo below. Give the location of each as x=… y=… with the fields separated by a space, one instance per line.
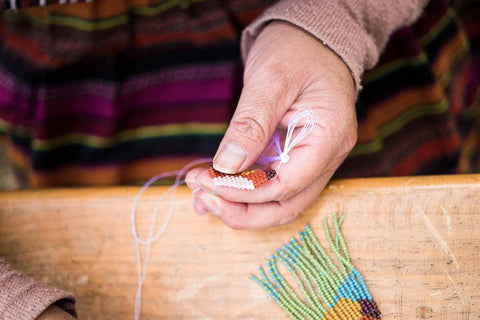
x=330 y=291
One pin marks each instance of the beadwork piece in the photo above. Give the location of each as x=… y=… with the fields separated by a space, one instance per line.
x=248 y=180
x=330 y=291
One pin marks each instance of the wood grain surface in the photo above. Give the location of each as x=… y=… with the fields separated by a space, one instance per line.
x=416 y=240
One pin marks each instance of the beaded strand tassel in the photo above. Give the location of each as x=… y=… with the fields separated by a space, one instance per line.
x=331 y=291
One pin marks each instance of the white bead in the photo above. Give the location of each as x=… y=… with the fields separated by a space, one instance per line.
x=284 y=157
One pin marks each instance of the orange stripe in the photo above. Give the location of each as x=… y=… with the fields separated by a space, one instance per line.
x=3 y=138
x=28 y=48
x=248 y=16
x=109 y=174
x=394 y=106
x=224 y=32
x=447 y=54
x=37 y=55
x=458 y=87
x=428 y=151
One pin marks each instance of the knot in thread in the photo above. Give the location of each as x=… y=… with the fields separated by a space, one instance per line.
x=284 y=157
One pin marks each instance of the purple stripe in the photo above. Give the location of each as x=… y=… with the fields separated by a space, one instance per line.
x=223 y=70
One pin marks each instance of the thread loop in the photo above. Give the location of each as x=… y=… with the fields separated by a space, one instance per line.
x=310 y=119
x=142 y=263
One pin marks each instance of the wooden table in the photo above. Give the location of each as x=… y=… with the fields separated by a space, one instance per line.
x=416 y=240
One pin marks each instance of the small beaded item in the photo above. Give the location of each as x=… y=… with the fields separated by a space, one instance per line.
x=329 y=292
x=252 y=179
x=248 y=180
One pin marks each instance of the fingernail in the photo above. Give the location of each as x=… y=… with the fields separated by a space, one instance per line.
x=192 y=182
x=230 y=158
x=211 y=202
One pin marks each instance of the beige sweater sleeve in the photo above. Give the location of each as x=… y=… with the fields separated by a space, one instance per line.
x=356 y=30
x=22 y=298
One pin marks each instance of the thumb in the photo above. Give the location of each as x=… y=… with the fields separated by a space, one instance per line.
x=258 y=113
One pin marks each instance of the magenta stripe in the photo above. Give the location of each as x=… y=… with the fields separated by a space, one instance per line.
x=165 y=95
x=217 y=71
x=184 y=92
x=14 y=103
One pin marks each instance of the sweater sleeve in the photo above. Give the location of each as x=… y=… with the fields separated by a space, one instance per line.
x=23 y=298
x=356 y=30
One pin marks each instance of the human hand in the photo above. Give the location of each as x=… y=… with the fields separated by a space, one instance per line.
x=287 y=69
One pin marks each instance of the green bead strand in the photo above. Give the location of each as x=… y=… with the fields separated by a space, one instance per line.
x=321 y=252
x=288 y=292
x=311 y=295
x=319 y=277
x=339 y=236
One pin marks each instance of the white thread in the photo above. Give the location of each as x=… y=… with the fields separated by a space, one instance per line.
x=141 y=272
x=13 y=4
x=194 y=193
x=310 y=119
x=43 y=3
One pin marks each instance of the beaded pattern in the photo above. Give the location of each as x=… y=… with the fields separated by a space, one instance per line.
x=248 y=180
x=331 y=291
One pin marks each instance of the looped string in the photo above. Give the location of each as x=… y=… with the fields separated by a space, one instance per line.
x=310 y=119
x=172 y=190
